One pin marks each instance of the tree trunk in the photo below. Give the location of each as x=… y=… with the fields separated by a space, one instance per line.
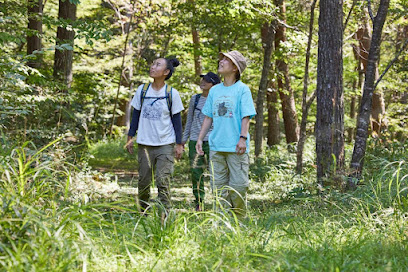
x=402 y=35
x=273 y=116
x=363 y=121
x=357 y=85
x=63 y=58
x=35 y=8
x=196 y=44
x=285 y=90
x=329 y=91
x=126 y=68
x=378 y=105
x=351 y=130
x=268 y=35
x=305 y=102
x=378 y=122
x=124 y=104
x=197 y=56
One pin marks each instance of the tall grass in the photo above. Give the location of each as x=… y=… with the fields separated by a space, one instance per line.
x=43 y=227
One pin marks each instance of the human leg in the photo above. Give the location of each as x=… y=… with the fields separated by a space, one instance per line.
x=164 y=160
x=219 y=177
x=239 y=182
x=145 y=160
x=197 y=167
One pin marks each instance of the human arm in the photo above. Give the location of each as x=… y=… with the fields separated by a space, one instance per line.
x=241 y=146
x=134 y=124
x=190 y=115
x=204 y=129
x=176 y=120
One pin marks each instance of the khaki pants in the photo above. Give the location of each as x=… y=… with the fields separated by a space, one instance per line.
x=229 y=181
x=155 y=162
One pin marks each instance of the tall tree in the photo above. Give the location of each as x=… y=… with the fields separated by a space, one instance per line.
x=273 y=115
x=329 y=117
x=363 y=37
x=268 y=35
x=357 y=88
x=363 y=120
x=285 y=91
x=196 y=43
x=65 y=35
x=34 y=9
x=126 y=69
x=306 y=103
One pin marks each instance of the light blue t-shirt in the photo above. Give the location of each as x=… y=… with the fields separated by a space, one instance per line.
x=227 y=106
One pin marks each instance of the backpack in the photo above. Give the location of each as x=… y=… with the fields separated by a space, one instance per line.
x=168 y=96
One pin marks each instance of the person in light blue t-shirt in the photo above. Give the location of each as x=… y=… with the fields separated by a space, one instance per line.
x=228 y=108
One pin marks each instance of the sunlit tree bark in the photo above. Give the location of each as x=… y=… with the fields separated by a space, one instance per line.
x=285 y=91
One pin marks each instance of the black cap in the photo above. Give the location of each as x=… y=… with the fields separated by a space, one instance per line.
x=211 y=78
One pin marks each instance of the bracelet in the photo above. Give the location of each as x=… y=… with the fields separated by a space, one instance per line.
x=243 y=137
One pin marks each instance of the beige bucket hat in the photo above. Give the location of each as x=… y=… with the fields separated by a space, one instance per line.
x=237 y=58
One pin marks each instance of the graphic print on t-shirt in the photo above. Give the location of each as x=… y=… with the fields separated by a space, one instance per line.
x=152 y=112
x=223 y=107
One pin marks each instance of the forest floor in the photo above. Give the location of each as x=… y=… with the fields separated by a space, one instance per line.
x=85 y=218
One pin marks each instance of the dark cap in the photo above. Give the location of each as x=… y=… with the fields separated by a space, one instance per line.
x=211 y=78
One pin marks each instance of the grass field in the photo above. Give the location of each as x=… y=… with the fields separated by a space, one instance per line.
x=56 y=216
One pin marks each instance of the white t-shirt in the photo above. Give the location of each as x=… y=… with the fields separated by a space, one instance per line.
x=155 y=126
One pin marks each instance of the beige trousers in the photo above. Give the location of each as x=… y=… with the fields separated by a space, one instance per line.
x=230 y=181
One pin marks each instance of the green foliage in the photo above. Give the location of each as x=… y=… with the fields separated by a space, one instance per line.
x=111 y=154
x=31 y=182
x=54 y=216
x=70 y=218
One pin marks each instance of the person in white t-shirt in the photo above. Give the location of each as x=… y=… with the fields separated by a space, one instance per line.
x=156 y=117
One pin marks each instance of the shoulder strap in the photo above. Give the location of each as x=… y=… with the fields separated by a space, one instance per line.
x=143 y=93
x=197 y=98
x=169 y=97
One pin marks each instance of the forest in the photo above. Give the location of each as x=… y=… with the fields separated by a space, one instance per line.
x=328 y=173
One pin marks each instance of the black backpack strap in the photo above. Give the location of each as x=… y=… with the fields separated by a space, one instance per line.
x=197 y=98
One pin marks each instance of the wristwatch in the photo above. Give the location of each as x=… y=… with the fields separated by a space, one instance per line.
x=243 y=137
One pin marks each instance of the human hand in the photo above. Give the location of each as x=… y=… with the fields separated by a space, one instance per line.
x=199 y=147
x=179 y=149
x=241 y=146
x=129 y=146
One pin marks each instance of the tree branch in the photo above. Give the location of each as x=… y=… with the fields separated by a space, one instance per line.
x=310 y=100
x=391 y=63
x=122 y=68
x=349 y=15
x=370 y=11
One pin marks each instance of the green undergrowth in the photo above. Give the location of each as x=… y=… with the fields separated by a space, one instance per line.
x=111 y=154
x=55 y=216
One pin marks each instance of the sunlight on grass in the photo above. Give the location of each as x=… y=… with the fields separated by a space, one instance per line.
x=82 y=219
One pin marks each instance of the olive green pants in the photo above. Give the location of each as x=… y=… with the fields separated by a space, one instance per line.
x=198 y=164
x=155 y=162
